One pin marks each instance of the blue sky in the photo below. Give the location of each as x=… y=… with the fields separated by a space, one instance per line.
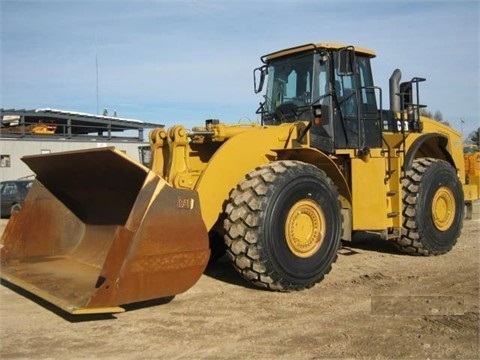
x=181 y=62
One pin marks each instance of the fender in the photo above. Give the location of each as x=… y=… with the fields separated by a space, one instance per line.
x=429 y=145
x=322 y=161
x=238 y=156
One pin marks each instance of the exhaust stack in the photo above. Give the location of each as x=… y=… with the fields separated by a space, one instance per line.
x=394 y=84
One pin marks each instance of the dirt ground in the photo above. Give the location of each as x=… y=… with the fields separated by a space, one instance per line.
x=375 y=304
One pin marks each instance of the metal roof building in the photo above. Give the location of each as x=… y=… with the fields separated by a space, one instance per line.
x=27 y=132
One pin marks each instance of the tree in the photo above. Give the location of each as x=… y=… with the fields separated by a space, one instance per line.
x=438 y=116
x=474 y=137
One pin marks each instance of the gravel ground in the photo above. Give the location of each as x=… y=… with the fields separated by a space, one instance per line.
x=376 y=303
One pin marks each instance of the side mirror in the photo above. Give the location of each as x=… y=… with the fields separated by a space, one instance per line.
x=346 y=61
x=262 y=73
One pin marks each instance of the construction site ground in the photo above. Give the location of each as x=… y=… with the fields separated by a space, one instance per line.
x=376 y=303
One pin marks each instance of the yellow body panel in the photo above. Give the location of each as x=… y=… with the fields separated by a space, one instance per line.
x=370 y=202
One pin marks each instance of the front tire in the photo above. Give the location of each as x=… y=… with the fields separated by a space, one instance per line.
x=433 y=208
x=283 y=226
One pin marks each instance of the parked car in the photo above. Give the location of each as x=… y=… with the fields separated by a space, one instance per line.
x=12 y=194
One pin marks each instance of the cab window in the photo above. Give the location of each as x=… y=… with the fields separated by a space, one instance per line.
x=369 y=102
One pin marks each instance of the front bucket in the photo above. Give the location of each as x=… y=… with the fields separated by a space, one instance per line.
x=98 y=230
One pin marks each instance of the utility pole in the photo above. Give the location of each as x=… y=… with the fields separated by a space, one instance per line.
x=96 y=68
x=461 y=127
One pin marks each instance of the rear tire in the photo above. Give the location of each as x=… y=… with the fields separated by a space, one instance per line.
x=433 y=208
x=283 y=226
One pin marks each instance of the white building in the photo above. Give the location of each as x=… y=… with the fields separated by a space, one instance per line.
x=30 y=132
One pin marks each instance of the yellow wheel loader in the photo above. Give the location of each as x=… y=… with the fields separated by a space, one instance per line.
x=472 y=171
x=98 y=230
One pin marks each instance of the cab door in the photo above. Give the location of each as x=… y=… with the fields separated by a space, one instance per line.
x=357 y=120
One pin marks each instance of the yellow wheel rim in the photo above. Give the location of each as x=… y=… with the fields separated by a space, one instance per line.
x=305 y=228
x=443 y=208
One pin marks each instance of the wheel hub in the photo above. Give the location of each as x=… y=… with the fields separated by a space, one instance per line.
x=304 y=228
x=443 y=208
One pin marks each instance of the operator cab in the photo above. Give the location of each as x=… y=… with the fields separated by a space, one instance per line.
x=331 y=86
